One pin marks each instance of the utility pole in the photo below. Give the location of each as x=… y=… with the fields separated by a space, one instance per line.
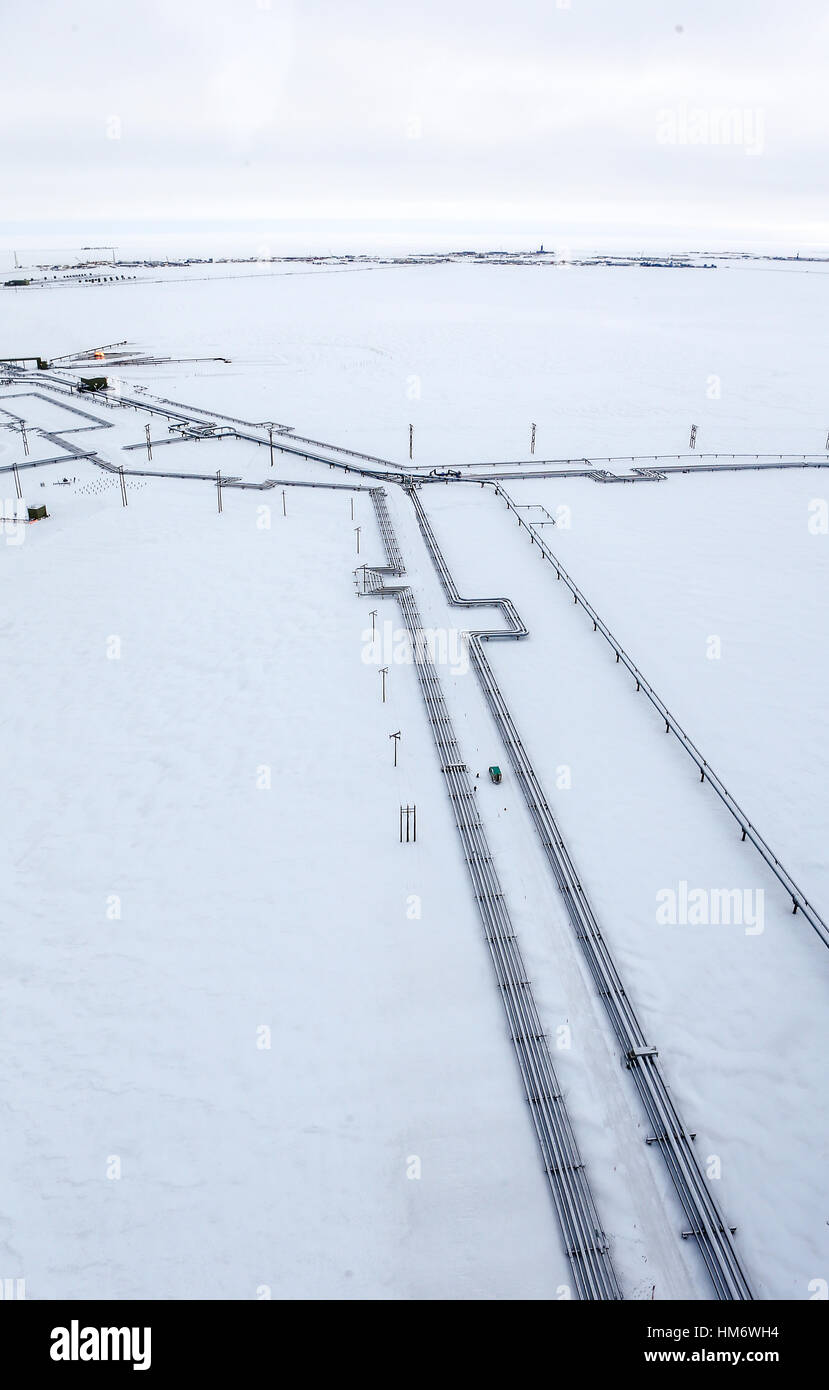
x=532 y=440
x=352 y=499
x=395 y=737
x=284 y=506
x=384 y=671
x=372 y=615
x=693 y=439
x=123 y=486
x=410 y=814
x=270 y=426
x=25 y=439
x=17 y=483
x=357 y=530
x=411 y=439
x=219 y=490
x=149 y=445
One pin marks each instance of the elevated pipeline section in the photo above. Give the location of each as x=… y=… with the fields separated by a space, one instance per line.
x=705 y=1222
x=584 y=1240
x=707 y=774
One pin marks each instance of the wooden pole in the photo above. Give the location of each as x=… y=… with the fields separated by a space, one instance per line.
x=219 y=490
x=123 y=487
x=532 y=441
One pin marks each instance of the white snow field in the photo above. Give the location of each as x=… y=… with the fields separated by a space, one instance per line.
x=254 y=1045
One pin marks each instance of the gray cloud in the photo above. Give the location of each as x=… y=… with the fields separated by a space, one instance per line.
x=454 y=113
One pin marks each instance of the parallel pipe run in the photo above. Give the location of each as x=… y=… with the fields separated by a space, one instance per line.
x=283 y=445
x=283 y=429
x=705 y=1221
x=268 y=485
x=798 y=898
x=565 y=1172
x=42 y=463
x=601 y=475
x=584 y=1239
x=416 y=475
x=387 y=532
x=661 y=460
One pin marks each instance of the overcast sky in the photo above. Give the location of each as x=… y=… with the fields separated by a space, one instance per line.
x=701 y=120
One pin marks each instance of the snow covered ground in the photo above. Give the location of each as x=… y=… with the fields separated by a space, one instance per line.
x=604 y=361
x=164 y=906
x=736 y=1007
